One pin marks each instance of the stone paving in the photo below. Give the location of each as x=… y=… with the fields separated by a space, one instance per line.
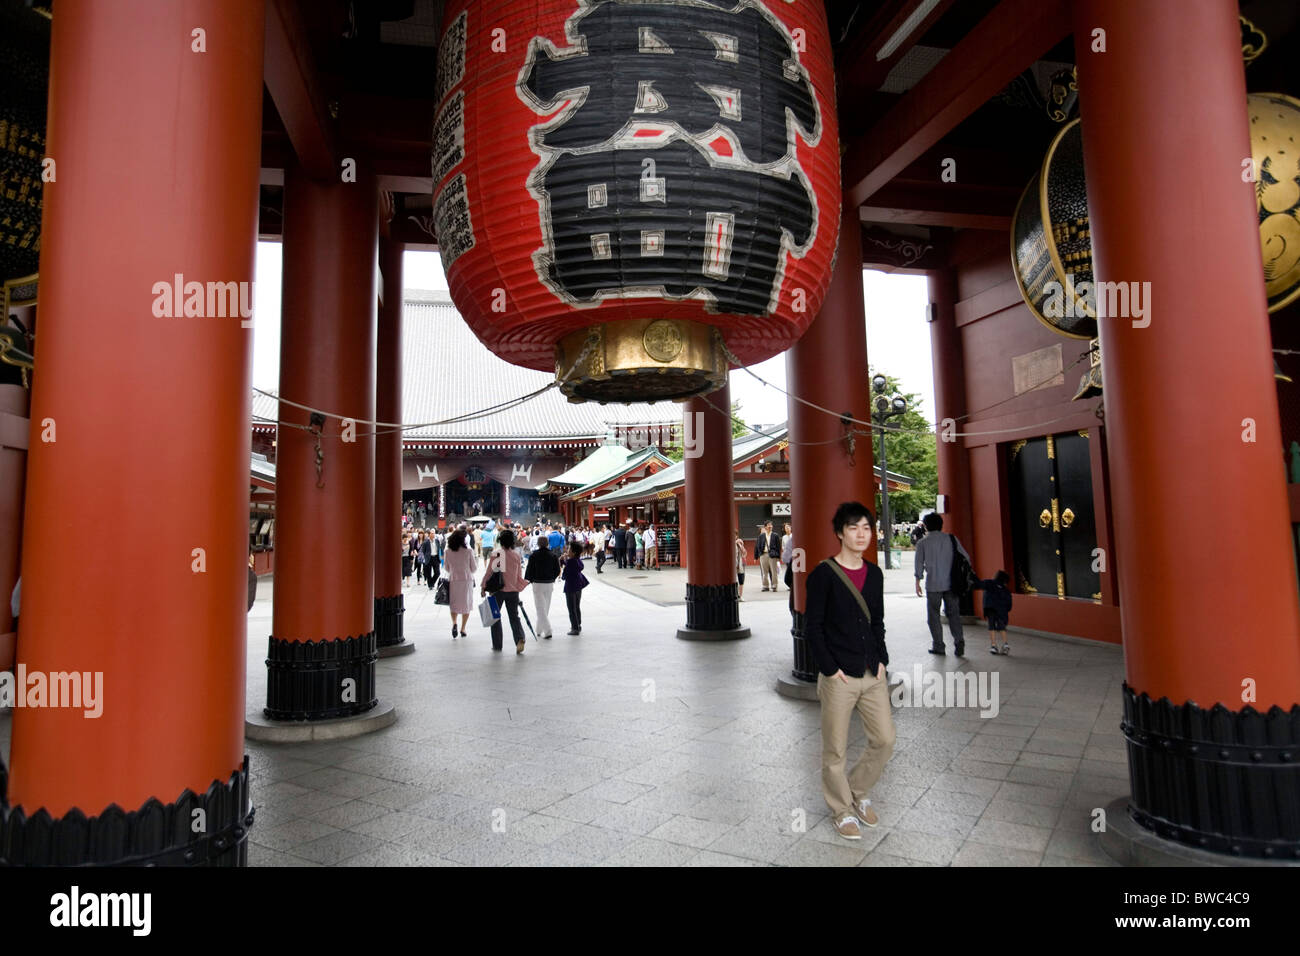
x=626 y=746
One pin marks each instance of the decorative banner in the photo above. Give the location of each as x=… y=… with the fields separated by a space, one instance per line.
x=616 y=183
x=1051 y=243
x=25 y=53
x=434 y=472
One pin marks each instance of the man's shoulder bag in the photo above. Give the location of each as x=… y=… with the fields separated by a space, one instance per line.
x=962 y=574
x=848 y=583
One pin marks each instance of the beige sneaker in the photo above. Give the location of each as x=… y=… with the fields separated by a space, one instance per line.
x=866 y=814
x=848 y=828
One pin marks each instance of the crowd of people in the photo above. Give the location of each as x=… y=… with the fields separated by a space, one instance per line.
x=843 y=615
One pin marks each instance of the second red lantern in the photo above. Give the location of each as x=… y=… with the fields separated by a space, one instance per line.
x=627 y=191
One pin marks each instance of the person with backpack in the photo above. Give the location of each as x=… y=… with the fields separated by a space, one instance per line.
x=935 y=554
x=542 y=570
x=845 y=630
x=997 y=609
x=574 y=582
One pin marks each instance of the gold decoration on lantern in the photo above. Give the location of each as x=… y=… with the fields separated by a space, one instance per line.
x=687 y=358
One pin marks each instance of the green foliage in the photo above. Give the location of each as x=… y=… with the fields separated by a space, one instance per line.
x=909 y=452
x=738 y=427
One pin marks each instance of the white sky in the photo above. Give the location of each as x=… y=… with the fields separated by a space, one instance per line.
x=898 y=337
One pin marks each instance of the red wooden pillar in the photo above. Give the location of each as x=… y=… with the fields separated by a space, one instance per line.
x=157 y=149
x=712 y=611
x=321 y=661
x=950 y=403
x=1192 y=425
x=389 y=601
x=828 y=366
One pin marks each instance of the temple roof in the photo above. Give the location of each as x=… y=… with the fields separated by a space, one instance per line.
x=742 y=448
x=601 y=465
x=447 y=372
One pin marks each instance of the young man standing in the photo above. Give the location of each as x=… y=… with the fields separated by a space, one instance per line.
x=933 y=558
x=845 y=629
x=651 y=548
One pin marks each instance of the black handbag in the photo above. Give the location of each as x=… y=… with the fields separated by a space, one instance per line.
x=442 y=592
x=496 y=581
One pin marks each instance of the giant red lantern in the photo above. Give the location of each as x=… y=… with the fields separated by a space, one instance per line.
x=624 y=190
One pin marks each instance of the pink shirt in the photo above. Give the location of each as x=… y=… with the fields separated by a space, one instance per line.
x=511 y=568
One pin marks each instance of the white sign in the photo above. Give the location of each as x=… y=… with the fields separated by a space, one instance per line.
x=779 y=510
x=941 y=504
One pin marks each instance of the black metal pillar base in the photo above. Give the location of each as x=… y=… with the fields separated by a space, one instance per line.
x=389 y=612
x=157 y=834
x=805 y=668
x=320 y=680
x=1220 y=780
x=712 y=607
x=801 y=682
x=712 y=614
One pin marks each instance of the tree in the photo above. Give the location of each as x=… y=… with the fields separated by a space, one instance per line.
x=910 y=451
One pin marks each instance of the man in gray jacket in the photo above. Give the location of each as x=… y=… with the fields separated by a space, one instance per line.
x=934 y=555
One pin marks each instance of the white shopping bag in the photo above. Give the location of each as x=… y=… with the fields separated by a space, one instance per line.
x=489 y=612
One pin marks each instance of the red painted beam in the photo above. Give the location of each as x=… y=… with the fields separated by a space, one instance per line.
x=291 y=78
x=1009 y=39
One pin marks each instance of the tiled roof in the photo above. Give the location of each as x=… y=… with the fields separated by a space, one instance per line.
x=604 y=459
x=635 y=461
x=446 y=372
x=675 y=474
x=743 y=447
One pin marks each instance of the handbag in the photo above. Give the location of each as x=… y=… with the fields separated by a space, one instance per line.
x=442 y=591
x=489 y=612
x=839 y=573
x=495 y=582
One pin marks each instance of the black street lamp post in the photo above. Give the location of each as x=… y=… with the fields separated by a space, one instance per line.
x=883 y=409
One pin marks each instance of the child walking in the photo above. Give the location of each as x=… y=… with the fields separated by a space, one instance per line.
x=574 y=582
x=997 y=608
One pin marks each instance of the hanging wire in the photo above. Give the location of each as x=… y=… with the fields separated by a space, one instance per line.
x=868 y=428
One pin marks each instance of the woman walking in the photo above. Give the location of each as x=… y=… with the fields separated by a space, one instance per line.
x=508 y=561
x=574 y=582
x=740 y=550
x=461 y=565
x=407 y=557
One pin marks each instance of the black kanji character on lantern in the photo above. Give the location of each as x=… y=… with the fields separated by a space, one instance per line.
x=691 y=66
x=669 y=219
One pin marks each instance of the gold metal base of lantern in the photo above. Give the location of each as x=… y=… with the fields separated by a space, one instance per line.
x=640 y=360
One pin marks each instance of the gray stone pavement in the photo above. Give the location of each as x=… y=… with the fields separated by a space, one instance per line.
x=626 y=746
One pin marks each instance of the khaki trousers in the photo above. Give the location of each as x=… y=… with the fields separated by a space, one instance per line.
x=869 y=696
x=767 y=570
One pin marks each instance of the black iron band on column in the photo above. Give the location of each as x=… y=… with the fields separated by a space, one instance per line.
x=157 y=834
x=305 y=679
x=1221 y=780
x=805 y=667
x=712 y=607
x=389 y=613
